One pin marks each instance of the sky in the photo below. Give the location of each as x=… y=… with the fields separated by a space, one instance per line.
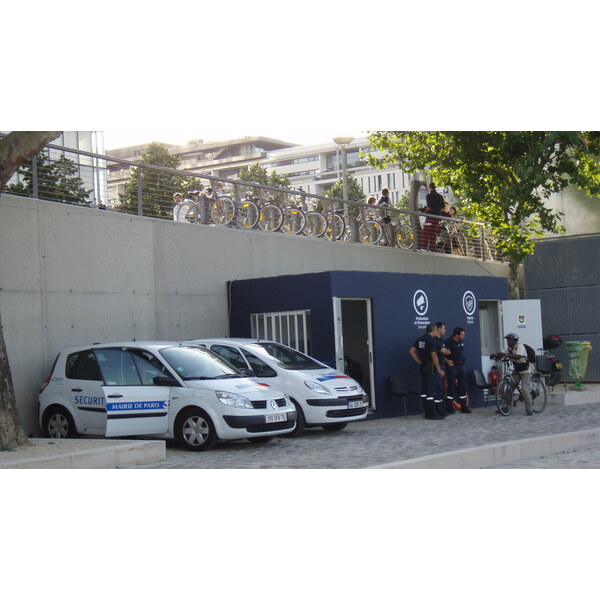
x=120 y=138
x=334 y=69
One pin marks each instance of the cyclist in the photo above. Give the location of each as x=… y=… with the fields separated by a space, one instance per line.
x=522 y=369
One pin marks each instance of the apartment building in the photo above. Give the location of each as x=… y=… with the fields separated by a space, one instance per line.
x=311 y=168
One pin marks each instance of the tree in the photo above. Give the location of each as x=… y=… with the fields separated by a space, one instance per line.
x=58 y=181
x=16 y=149
x=355 y=191
x=355 y=194
x=257 y=174
x=505 y=176
x=158 y=187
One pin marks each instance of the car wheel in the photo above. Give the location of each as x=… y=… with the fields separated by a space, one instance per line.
x=334 y=426
x=195 y=431
x=58 y=423
x=300 y=423
x=260 y=440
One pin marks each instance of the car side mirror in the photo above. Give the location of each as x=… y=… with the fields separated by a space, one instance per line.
x=164 y=381
x=247 y=373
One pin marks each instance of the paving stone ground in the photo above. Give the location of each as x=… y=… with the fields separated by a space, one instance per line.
x=379 y=441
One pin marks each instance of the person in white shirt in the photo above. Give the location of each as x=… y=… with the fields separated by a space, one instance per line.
x=522 y=369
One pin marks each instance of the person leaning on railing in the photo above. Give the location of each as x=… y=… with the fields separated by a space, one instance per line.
x=431 y=227
x=177 y=198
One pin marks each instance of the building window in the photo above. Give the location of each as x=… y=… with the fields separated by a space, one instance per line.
x=291 y=328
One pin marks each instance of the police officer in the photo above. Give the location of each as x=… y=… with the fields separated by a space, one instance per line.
x=442 y=352
x=455 y=372
x=424 y=353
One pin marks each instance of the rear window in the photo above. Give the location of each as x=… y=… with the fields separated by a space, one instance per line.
x=82 y=365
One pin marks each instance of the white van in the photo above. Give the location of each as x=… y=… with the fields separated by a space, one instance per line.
x=322 y=396
x=159 y=389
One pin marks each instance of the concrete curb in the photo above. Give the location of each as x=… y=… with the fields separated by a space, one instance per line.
x=83 y=454
x=503 y=453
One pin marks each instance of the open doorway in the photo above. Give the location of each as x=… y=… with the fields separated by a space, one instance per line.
x=354 y=347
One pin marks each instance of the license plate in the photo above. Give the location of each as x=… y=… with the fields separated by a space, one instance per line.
x=355 y=403
x=276 y=418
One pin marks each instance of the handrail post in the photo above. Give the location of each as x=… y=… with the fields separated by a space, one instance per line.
x=140 y=210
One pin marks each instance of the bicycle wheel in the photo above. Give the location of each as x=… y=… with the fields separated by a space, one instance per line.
x=293 y=221
x=336 y=226
x=316 y=224
x=504 y=397
x=405 y=236
x=247 y=215
x=187 y=212
x=370 y=232
x=539 y=395
x=270 y=217
x=222 y=211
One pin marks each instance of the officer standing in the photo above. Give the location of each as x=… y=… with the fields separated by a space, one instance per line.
x=424 y=353
x=442 y=352
x=455 y=372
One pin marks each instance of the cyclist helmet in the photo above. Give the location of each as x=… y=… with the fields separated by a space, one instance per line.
x=511 y=336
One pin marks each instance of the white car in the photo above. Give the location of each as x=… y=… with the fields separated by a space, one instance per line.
x=159 y=389
x=322 y=396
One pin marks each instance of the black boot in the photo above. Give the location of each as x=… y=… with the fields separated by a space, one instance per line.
x=437 y=411
x=430 y=413
x=440 y=409
x=449 y=405
x=463 y=405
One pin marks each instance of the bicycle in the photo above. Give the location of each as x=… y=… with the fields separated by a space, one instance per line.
x=507 y=390
x=220 y=207
x=330 y=225
x=294 y=219
x=253 y=211
x=388 y=233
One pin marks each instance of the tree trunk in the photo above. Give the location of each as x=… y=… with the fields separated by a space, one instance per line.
x=11 y=432
x=513 y=281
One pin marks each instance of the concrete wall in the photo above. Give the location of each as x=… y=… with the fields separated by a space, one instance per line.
x=71 y=276
x=580 y=211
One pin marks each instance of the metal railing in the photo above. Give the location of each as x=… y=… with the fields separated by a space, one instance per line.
x=217 y=201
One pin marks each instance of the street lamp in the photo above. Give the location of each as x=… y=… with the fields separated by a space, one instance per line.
x=343 y=143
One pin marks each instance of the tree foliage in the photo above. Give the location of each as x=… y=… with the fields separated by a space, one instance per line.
x=257 y=174
x=355 y=193
x=57 y=180
x=505 y=177
x=158 y=186
x=355 y=190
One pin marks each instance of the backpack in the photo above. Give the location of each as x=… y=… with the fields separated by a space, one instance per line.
x=530 y=353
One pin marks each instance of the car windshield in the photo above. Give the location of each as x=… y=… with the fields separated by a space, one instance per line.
x=284 y=357
x=198 y=363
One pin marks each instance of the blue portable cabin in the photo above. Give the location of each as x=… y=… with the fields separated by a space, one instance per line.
x=369 y=319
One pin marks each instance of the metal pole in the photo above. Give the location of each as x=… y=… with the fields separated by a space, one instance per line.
x=345 y=180
x=139 y=192
x=34 y=178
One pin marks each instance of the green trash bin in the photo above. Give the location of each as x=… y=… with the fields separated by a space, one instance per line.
x=585 y=351
x=575 y=350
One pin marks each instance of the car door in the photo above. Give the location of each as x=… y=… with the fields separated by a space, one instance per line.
x=135 y=404
x=84 y=388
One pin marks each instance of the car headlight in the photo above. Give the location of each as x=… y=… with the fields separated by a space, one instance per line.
x=316 y=387
x=233 y=400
